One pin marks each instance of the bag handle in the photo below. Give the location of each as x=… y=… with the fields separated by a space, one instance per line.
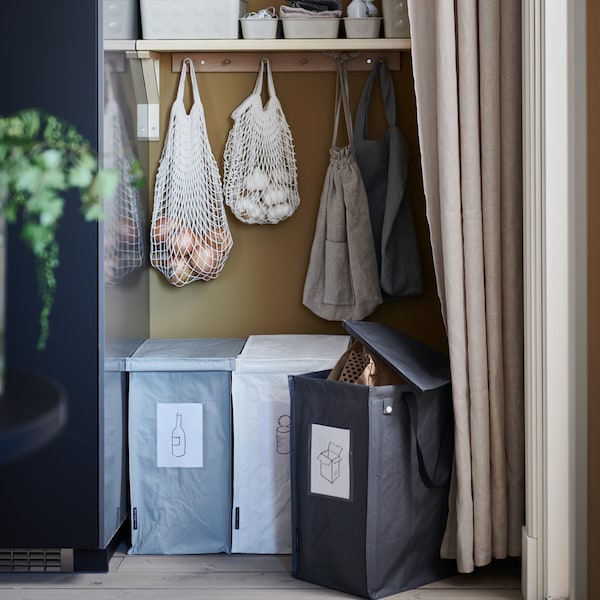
x=188 y=64
x=387 y=94
x=439 y=473
x=259 y=79
x=341 y=99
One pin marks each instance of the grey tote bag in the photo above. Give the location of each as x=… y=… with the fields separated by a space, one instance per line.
x=383 y=163
x=342 y=281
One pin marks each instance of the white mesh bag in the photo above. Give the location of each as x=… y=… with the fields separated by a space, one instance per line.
x=260 y=174
x=123 y=214
x=190 y=237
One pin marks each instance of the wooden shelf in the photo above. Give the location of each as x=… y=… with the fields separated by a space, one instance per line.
x=276 y=45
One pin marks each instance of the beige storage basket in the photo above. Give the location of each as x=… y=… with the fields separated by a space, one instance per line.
x=259 y=29
x=366 y=27
x=311 y=27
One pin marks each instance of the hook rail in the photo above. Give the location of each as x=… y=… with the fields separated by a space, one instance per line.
x=307 y=61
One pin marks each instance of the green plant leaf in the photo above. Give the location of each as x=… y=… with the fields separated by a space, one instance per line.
x=53 y=179
x=48 y=206
x=40 y=157
x=138 y=177
x=28 y=178
x=4 y=189
x=29 y=123
x=107 y=181
x=82 y=174
x=38 y=237
x=51 y=159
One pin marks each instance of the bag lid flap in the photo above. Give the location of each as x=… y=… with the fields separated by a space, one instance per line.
x=420 y=365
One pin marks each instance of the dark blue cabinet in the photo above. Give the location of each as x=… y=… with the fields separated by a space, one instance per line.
x=54 y=498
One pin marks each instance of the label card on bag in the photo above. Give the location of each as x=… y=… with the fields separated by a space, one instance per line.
x=330 y=466
x=179 y=435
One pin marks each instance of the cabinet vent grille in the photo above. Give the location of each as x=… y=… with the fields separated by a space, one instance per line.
x=36 y=560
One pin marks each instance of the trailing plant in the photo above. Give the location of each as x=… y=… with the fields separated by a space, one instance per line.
x=41 y=158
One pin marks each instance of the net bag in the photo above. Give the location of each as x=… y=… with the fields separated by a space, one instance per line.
x=260 y=174
x=190 y=237
x=123 y=214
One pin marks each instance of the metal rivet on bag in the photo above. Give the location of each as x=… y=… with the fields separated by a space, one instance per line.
x=388 y=410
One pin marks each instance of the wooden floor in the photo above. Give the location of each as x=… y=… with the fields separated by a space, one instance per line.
x=234 y=577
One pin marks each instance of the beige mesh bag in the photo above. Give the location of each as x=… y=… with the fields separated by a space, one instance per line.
x=190 y=237
x=260 y=174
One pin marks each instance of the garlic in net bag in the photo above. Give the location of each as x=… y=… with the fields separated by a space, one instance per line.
x=260 y=173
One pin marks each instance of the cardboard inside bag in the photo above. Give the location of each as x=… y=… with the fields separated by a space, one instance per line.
x=358 y=365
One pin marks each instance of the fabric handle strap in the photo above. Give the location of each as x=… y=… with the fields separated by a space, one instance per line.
x=439 y=474
x=387 y=94
x=188 y=64
x=341 y=99
x=259 y=79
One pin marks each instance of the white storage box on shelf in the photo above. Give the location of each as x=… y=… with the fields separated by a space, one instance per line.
x=191 y=19
x=120 y=19
x=261 y=519
x=259 y=29
x=180 y=445
x=366 y=27
x=311 y=27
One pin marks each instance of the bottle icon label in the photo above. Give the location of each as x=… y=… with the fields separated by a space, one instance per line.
x=180 y=434
x=178 y=437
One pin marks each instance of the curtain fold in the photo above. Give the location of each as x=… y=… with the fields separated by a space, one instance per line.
x=467 y=73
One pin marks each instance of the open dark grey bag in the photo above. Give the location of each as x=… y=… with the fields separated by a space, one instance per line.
x=370 y=471
x=383 y=163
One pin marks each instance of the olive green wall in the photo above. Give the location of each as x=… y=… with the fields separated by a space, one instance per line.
x=260 y=289
x=593 y=58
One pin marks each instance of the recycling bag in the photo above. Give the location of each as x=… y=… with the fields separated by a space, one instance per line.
x=370 y=469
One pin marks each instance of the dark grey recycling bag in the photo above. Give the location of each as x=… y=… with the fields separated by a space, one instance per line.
x=383 y=163
x=370 y=471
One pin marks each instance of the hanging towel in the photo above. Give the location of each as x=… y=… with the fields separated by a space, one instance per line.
x=383 y=163
x=342 y=281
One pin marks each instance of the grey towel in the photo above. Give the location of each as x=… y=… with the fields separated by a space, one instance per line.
x=289 y=12
x=317 y=5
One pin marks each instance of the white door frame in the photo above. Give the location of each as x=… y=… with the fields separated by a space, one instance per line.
x=555 y=250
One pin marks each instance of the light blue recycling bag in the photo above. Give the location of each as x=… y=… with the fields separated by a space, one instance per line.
x=180 y=445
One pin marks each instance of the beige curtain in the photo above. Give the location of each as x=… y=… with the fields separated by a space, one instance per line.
x=467 y=73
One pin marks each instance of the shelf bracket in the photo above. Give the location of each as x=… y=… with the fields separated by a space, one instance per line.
x=145 y=71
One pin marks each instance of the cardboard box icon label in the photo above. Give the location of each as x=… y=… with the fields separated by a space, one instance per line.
x=330 y=461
